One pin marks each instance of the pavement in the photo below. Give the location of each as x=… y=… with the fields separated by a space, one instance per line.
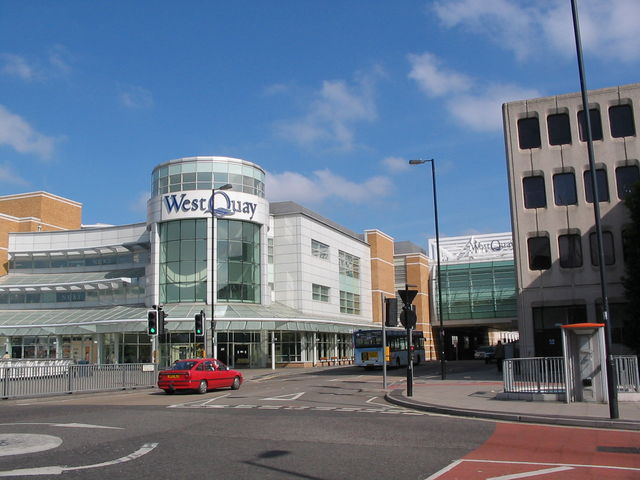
x=470 y=389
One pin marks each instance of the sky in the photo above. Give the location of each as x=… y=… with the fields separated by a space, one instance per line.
x=331 y=97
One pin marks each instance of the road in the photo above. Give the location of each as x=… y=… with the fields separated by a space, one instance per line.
x=324 y=424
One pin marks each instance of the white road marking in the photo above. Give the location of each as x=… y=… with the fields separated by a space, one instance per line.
x=68 y=425
x=371 y=399
x=58 y=470
x=19 y=443
x=216 y=398
x=563 y=466
x=287 y=397
x=534 y=473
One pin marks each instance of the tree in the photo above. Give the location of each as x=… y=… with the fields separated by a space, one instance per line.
x=631 y=279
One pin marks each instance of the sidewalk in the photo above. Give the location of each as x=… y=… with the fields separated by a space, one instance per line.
x=470 y=390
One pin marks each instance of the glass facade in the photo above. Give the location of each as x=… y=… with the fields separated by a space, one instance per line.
x=183 y=261
x=205 y=174
x=479 y=290
x=238 y=261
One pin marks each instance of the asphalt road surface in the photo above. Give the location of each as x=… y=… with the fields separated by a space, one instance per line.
x=325 y=424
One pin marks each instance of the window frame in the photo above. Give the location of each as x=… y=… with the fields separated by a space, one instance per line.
x=531 y=196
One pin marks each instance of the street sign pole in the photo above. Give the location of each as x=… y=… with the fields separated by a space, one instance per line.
x=408 y=318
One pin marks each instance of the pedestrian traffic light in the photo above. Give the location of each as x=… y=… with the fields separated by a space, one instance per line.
x=152 y=322
x=199 y=324
x=391 y=312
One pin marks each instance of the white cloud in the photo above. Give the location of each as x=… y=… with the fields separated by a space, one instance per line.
x=483 y=112
x=396 y=164
x=139 y=203
x=19 y=135
x=434 y=80
x=8 y=176
x=59 y=59
x=473 y=104
x=608 y=29
x=17 y=66
x=321 y=185
x=136 y=97
x=333 y=114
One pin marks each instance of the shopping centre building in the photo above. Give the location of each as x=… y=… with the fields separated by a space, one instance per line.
x=479 y=301
x=288 y=286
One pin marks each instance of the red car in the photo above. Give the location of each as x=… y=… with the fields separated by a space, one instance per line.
x=199 y=374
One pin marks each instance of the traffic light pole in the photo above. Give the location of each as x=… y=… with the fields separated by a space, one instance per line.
x=384 y=344
x=409 y=363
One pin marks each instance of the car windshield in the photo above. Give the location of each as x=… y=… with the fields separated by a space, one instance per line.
x=183 y=365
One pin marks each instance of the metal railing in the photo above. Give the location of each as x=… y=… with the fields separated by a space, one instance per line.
x=627 y=373
x=534 y=375
x=34 y=378
x=546 y=374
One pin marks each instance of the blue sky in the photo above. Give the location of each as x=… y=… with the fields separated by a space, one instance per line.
x=331 y=97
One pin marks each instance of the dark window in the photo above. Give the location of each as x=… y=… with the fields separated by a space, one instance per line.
x=564 y=189
x=570 y=250
x=534 y=195
x=627 y=244
x=559 y=129
x=621 y=120
x=607 y=247
x=596 y=125
x=539 y=253
x=601 y=185
x=529 y=133
x=625 y=179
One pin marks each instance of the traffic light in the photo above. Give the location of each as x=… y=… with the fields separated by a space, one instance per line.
x=162 y=322
x=152 y=322
x=391 y=312
x=408 y=316
x=199 y=324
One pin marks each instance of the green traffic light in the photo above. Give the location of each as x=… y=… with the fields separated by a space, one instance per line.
x=152 y=330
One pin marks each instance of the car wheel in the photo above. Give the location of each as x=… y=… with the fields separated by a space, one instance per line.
x=203 y=387
x=236 y=383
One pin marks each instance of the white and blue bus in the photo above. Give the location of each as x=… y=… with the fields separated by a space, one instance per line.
x=368 y=347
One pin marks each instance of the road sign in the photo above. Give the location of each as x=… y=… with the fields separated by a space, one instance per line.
x=407 y=296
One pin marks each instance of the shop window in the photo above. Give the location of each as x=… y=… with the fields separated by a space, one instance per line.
x=621 y=121
x=534 y=194
x=564 y=189
x=626 y=177
x=596 y=125
x=607 y=247
x=559 y=129
x=529 y=133
x=320 y=293
x=319 y=250
x=539 y=253
x=601 y=185
x=570 y=251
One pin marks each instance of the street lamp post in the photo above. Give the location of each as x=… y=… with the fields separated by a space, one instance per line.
x=612 y=388
x=227 y=186
x=435 y=212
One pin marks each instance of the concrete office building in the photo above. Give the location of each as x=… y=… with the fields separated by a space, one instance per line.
x=552 y=209
x=478 y=292
x=283 y=279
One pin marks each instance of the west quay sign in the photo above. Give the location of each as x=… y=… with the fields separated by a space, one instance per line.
x=220 y=203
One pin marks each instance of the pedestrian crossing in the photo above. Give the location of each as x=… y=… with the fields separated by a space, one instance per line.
x=330 y=408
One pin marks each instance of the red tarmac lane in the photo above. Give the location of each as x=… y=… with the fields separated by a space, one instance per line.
x=517 y=451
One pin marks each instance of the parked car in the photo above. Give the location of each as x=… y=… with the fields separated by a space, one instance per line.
x=199 y=374
x=485 y=353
